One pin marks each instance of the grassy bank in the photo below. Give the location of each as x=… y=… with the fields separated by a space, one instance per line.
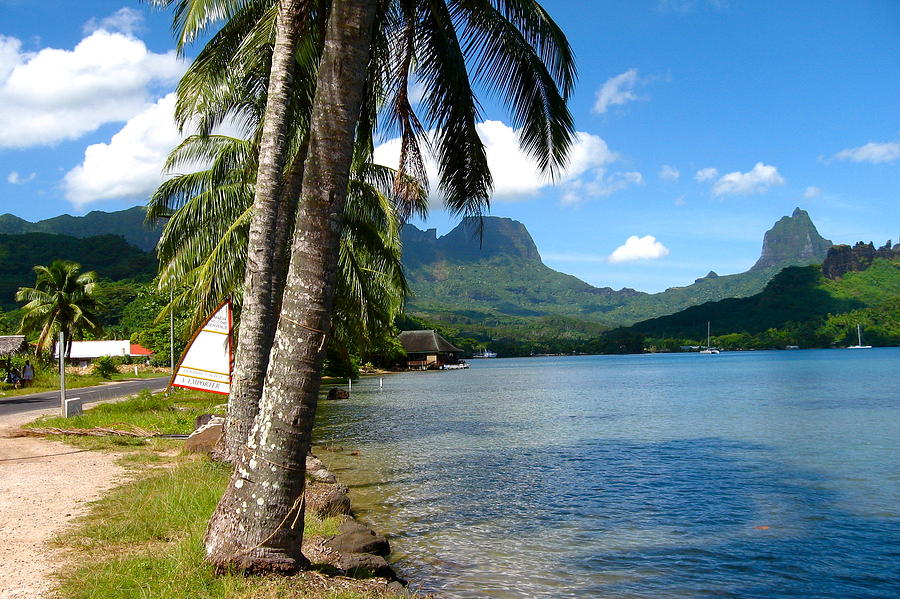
x=145 y=537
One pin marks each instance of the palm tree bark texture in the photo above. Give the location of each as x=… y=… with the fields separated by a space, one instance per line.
x=257 y=318
x=258 y=524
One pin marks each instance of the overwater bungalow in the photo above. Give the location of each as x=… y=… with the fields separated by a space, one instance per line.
x=426 y=350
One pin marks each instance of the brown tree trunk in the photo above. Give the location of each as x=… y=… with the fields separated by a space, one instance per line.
x=258 y=524
x=257 y=319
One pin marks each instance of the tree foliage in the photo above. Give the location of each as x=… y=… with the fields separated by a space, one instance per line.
x=62 y=300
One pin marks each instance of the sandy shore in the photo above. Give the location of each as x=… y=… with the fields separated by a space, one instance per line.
x=44 y=485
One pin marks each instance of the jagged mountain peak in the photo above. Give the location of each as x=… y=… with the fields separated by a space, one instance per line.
x=792 y=241
x=471 y=240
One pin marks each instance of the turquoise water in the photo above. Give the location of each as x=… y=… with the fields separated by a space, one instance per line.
x=756 y=474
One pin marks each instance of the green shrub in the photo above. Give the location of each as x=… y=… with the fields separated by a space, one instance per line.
x=105 y=367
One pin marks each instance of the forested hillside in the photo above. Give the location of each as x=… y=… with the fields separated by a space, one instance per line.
x=798 y=307
x=111 y=256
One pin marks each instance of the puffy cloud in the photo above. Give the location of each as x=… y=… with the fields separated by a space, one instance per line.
x=517 y=176
x=873 y=152
x=616 y=91
x=639 y=248
x=706 y=174
x=812 y=192
x=669 y=173
x=757 y=180
x=16 y=179
x=129 y=166
x=54 y=95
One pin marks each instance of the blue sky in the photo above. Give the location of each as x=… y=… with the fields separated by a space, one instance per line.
x=701 y=122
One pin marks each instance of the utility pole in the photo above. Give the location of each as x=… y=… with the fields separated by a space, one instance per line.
x=62 y=373
x=171 y=331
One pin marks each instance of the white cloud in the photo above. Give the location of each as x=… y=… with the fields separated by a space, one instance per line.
x=16 y=179
x=639 y=248
x=616 y=91
x=517 y=176
x=127 y=20
x=812 y=192
x=706 y=174
x=873 y=152
x=54 y=95
x=669 y=173
x=757 y=180
x=129 y=166
x=600 y=185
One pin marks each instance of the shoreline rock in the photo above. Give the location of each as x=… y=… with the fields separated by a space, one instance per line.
x=357 y=549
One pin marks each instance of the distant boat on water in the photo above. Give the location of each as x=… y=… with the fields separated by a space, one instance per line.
x=859 y=344
x=708 y=350
x=484 y=353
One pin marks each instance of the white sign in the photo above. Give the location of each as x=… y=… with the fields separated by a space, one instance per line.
x=206 y=364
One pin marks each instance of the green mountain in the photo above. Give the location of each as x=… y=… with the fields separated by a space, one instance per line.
x=110 y=255
x=125 y=223
x=495 y=275
x=798 y=299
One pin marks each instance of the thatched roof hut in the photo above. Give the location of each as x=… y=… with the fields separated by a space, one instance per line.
x=421 y=342
x=427 y=350
x=12 y=344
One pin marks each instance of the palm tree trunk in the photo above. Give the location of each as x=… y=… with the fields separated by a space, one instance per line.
x=257 y=319
x=258 y=524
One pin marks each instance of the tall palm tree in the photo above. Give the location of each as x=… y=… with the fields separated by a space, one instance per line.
x=62 y=300
x=516 y=50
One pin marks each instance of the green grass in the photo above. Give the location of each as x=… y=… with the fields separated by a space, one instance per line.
x=144 y=538
x=173 y=414
x=157 y=413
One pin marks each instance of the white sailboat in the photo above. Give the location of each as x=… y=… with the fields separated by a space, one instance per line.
x=859 y=344
x=708 y=350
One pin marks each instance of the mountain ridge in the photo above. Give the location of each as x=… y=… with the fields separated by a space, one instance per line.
x=129 y=224
x=498 y=270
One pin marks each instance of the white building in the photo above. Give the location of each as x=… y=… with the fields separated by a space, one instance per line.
x=85 y=352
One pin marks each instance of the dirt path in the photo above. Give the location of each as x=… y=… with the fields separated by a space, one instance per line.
x=39 y=497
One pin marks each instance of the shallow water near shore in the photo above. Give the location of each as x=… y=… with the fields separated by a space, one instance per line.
x=745 y=474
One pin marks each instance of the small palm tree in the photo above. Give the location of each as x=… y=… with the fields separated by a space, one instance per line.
x=62 y=299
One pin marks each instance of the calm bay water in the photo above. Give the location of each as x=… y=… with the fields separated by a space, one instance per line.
x=757 y=474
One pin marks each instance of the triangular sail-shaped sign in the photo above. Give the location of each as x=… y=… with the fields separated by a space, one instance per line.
x=206 y=362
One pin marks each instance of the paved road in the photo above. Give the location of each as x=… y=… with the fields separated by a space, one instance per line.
x=50 y=399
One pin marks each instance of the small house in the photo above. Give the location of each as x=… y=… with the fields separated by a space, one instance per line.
x=85 y=352
x=426 y=350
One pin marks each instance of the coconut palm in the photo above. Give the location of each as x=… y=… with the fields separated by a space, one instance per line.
x=62 y=300
x=515 y=50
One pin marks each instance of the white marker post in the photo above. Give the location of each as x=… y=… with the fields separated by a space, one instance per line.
x=62 y=374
